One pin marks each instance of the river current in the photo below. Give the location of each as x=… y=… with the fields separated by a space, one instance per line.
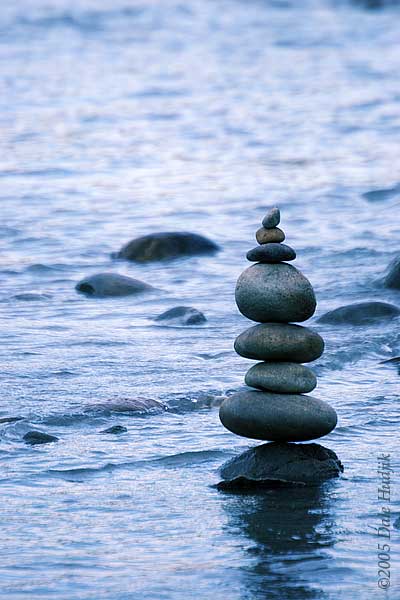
x=125 y=117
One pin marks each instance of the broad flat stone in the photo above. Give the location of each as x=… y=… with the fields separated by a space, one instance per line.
x=280 y=342
x=271 y=253
x=272 y=218
x=276 y=293
x=277 y=417
x=264 y=236
x=281 y=377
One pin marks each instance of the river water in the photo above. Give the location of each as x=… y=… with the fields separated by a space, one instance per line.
x=125 y=117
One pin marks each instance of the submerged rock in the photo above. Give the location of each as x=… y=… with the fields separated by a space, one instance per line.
x=361 y=313
x=280 y=463
x=280 y=342
x=140 y=406
x=277 y=417
x=392 y=279
x=281 y=377
x=182 y=315
x=168 y=245
x=111 y=284
x=11 y=419
x=115 y=429
x=267 y=292
x=39 y=437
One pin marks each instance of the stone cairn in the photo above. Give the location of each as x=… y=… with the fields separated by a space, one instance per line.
x=275 y=295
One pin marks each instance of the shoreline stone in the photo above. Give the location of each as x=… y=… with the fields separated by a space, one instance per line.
x=166 y=246
x=281 y=377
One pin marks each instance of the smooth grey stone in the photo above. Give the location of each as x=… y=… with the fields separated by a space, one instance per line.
x=266 y=236
x=280 y=342
x=362 y=313
x=111 y=284
x=392 y=279
x=281 y=377
x=277 y=293
x=140 y=406
x=115 y=429
x=272 y=218
x=271 y=253
x=168 y=245
x=38 y=437
x=277 y=417
x=279 y=463
x=182 y=315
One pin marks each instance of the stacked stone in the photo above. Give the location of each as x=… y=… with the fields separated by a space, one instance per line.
x=277 y=295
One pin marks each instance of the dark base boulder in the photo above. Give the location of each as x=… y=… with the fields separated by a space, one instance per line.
x=280 y=464
x=361 y=313
x=164 y=246
x=103 y=285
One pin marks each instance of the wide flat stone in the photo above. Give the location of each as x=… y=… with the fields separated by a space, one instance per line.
x=280 y=342
x=277 y=417
x=272 y=218
x=279 y=463
x=271 y=253
x=281 y=377
x=274 y=292
x=264 y=236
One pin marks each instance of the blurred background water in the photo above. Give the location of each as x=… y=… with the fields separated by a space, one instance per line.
x=125 y=117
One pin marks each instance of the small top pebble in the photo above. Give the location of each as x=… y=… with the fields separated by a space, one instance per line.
x=272 y=218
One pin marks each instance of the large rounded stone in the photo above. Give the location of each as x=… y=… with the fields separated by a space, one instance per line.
x=265 y=236
x=281 y=377
x=103 y=285
x=277 y=293
x=280 y=342
x=277 y=417
x=279 y=463
x=271 y=253
x=166 y=245
x=361 y=313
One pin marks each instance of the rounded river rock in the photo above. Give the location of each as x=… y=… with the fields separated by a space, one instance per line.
x=272 y=218
x=281 y=377
x=271 y=253
x=264 y=236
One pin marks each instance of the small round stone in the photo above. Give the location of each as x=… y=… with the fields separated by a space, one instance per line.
x=274 y=293
x=271 y=253
x=281 y=377
x=280 y=342
x=265 y=236
x=277 y=417
x=272 y=218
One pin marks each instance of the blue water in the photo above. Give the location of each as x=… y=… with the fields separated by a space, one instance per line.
x=120 y=118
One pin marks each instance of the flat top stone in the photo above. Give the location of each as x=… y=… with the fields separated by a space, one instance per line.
x=272 y=218
x=271 y=253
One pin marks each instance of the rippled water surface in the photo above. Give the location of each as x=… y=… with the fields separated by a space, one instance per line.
x=120 y=118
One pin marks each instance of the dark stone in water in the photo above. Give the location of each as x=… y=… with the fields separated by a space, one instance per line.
x=271 y=253
x=11 y=419
x=164 y=246
x=362 y=313
x=386 y=193
x=391 y=361
x=115 y=429
x=182 y=315
x=279 y=463
x=104 y=285
x=38 y=437
x=139 y=406
x=392 y=279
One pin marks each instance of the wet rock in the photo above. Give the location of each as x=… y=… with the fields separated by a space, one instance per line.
x=391 y=361
x=11 y=419
x=164 y=246
x=278 y=293
x=279 y=463
x=111 y=284
x=280 y=342
x=272 y=218
x=266 y=236
x=115 y=429
x=34 y=438
x=182 y=315
x=281 y=377
x=362 y=313
x=392 y=279
x=271 y=253
x=138 y=406
x=277 y=417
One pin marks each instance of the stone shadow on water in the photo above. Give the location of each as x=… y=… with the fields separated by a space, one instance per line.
x=292 y=529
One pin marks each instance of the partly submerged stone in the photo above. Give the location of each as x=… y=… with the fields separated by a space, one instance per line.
x=277 y=293
x=271 y=253
x=392 y=279
x=103 y=285
x=182 y=315
x=166 y=245
x=361 y=313
x=280 y=342
x=137 y=406
x=277 y=417
x=115 y=430
x=272 y=218
x=39 y=437
x=279 y=463
x=266 y=236
x=281 y=377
